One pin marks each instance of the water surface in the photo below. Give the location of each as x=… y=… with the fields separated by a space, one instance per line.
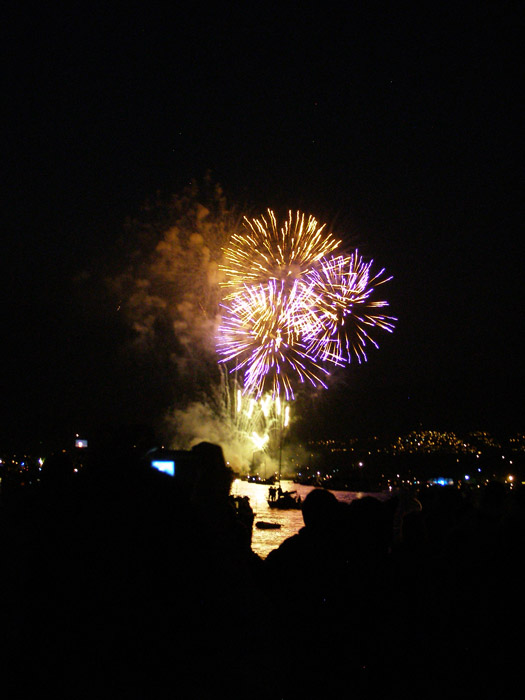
x=291 y=521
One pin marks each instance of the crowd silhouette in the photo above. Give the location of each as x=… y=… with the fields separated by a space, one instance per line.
x=122 y=581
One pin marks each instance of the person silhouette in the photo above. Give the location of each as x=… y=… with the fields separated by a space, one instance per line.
x=310 y=555
x=301 y=576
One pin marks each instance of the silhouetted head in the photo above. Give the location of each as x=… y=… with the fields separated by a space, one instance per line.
x=493 y=499
x=214 y=478
x=320 y=508
x=369 y=522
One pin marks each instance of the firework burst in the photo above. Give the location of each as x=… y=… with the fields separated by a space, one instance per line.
x=346 y=309
x=262 y=330
x=266 y=251
x=293 y=308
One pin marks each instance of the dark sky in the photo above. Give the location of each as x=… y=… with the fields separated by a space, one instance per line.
x=399 y=125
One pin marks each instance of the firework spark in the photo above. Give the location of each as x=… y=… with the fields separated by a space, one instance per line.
x=265 y=251
x=292 y=308
x=347 y=311
x=259 y=422
x=262 y=329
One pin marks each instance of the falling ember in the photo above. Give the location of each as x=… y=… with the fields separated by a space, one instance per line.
x=258 y=422
x=292 y=308
x=259 y=441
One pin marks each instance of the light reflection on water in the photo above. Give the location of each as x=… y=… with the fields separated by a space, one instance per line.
x=291 y=521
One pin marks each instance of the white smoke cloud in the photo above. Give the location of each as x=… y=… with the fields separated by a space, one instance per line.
x=198 y=422
x=169 y=292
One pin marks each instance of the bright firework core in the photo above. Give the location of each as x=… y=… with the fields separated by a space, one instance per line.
x=262 y=422
x=292 y=308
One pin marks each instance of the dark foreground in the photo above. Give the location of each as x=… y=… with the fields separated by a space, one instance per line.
x=123 y=582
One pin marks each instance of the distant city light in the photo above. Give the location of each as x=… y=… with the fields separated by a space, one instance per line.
x=441 y=481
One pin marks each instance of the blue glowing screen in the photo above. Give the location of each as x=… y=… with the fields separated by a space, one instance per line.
x=164 y=465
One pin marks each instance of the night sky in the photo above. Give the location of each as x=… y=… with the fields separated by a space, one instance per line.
x=398 y=126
